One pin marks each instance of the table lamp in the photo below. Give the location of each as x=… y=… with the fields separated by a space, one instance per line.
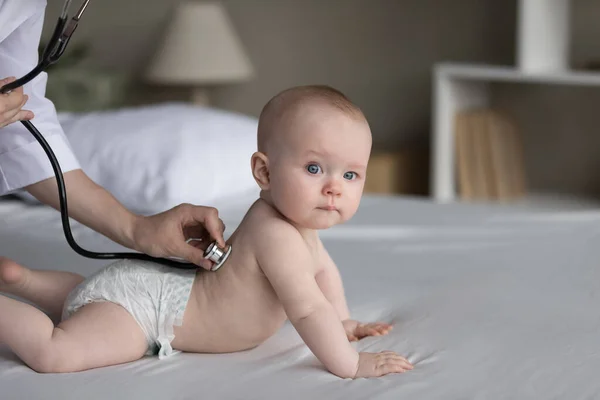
x=200 y=49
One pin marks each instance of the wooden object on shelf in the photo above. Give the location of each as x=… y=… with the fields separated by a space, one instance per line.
x=481 y=152
x=542 y=49
x=489 y=156
x=463 y=156
x=403 y=171
x=459 y=87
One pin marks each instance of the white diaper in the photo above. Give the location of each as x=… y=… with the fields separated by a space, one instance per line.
x=155 y=295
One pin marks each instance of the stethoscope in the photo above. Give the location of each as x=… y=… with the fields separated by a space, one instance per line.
x=56 y=46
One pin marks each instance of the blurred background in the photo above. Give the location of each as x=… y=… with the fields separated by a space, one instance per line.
x=380 y=53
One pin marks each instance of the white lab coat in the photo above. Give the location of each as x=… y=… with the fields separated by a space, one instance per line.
x=22 y=159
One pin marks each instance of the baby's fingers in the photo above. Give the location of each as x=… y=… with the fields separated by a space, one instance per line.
x=375 y=329
x=366 y=330
x=390 y=355
x=393 y=363
x=383 y=328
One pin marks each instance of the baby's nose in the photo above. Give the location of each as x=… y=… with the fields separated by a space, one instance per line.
x=332 y=188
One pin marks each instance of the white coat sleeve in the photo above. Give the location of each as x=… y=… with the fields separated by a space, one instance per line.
x=22 y=160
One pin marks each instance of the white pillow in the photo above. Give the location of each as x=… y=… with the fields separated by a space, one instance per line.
x=155 y=157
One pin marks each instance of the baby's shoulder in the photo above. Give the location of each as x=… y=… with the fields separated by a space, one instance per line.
x=261 y=217
x=265 y=224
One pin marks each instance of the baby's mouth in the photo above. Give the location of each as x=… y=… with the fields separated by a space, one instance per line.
x=328 y=208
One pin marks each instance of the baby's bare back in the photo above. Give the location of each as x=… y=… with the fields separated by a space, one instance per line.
x=234 y=308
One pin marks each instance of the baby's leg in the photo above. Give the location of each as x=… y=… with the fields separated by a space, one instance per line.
x=98 y=335
x=47 y=289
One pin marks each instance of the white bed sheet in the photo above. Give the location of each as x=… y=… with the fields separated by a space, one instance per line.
x=487 y=302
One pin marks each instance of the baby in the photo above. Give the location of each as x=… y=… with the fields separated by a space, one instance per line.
x=313 y=149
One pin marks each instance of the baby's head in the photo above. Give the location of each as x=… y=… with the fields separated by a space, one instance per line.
x=313 y=150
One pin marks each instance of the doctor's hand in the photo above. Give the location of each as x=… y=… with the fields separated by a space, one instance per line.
x=165 y=234
x=11 y=105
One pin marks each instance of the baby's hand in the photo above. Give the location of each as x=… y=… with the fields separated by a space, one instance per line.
x=356 y=331
x=379 y=364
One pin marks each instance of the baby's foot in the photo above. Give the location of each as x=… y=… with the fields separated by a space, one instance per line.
x=12 y=275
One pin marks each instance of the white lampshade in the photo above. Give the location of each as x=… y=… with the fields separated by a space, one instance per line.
x=200 y=47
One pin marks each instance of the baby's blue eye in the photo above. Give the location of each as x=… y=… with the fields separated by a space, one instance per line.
x=350 y=175
x=313 y=168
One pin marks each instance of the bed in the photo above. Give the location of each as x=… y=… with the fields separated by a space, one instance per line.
x=488 y=302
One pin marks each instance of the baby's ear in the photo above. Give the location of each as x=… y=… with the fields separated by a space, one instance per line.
x=260 y=169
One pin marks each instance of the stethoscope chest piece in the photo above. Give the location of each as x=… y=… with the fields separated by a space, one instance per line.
x=217 y=255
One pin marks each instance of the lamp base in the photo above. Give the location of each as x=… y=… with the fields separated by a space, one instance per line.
x=200 y=97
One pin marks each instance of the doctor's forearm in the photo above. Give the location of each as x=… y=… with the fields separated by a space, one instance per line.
x=91 y=205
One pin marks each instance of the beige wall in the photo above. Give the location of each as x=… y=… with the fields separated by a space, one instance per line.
x=379 y=52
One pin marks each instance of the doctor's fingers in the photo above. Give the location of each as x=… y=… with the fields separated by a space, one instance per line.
x=209 y=218
x=200 y=231
x=13 y=99
x=215 y=229
x=11 y=105
x=19 y=115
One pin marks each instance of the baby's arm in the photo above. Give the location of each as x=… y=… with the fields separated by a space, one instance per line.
x=287 y=264
x=330 y=282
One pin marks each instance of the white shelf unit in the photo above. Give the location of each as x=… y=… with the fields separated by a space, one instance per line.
x=542 y=50
x=458 y=87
